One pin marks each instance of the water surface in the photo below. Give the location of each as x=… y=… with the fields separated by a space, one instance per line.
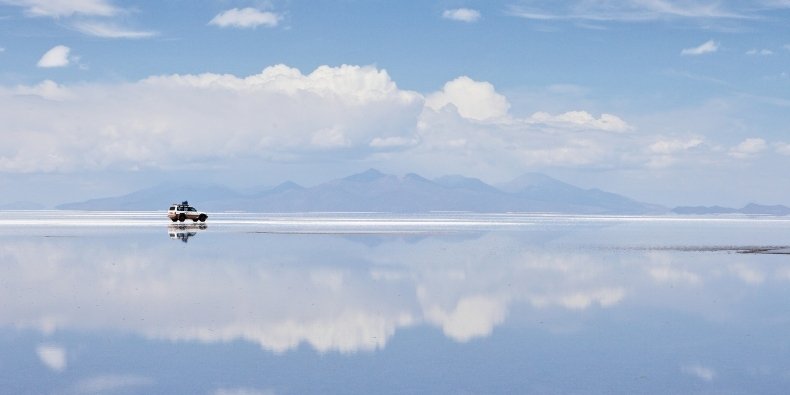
x=379 y=303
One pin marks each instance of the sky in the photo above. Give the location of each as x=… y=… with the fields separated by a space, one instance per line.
x=669 y=102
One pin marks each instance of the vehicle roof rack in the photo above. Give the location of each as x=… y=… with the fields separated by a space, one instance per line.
x=185 y=203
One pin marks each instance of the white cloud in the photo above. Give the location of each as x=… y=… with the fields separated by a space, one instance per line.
x=748 y=148
x=245 y=18
x=630 y=11
x=110 y=30
x=699 y=371
x=111 y=383
x=2 y=49
x=761 y=52
x=707 y=47
x=393 y=142
x=674 y=145
x=782 y=148
x=467 y=127
x=65 y=8
x=47 y=89
x=54 y=357
x=277 y=113
x=58 y=56
x=99 y=18
x=472 y=99
x=582 y=120
x=462 y=15
x=342 y=113
x=665 y=152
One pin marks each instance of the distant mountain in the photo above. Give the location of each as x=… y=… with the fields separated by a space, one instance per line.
x=157 y=198
x=549 y=194
x=373 y=190
x=751 y=208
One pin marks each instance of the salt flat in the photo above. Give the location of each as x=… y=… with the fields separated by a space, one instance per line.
x=435 y=303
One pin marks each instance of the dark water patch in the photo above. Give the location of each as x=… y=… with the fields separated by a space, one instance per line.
x=776 y=250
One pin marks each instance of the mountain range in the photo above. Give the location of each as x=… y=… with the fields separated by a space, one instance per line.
x=375 y=191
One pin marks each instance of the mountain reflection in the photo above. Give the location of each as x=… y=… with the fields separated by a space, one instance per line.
x=337 y=294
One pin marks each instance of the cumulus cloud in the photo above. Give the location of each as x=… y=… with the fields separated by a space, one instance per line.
x=57 y=56
x=281 y=114
x=748 y=148
x=462 y=15
x=47 y=89
x=65 y=8
x=450 y=143
x=279 y=111
x=472 y=99
x=707 y=47
x=245 y=18
x=54 y=357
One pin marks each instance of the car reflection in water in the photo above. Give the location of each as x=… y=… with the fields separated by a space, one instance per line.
x=184 y=232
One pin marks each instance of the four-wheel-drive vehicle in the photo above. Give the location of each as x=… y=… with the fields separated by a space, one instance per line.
x=183 y=211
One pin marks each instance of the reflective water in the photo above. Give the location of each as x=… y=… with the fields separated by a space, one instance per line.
x=120 y=303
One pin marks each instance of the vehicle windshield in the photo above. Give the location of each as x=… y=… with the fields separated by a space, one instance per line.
x=192 y=209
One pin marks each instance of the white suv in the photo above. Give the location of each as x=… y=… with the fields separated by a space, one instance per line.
x=183 y=211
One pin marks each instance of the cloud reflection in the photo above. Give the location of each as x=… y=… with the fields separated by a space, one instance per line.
x=54 y=357
x=332 y=293
x=699 y=371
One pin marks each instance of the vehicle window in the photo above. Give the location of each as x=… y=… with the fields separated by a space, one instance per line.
x=172 y=208
x=192 y=209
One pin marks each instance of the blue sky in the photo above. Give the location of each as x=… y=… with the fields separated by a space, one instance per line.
x=673 y=102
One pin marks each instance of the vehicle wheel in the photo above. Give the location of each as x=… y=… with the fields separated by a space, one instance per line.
x=182 y=217
x=174 y=219
x=202 y=217
x=194 y=220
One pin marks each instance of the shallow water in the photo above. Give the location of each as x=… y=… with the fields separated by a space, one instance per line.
x=380 y=303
